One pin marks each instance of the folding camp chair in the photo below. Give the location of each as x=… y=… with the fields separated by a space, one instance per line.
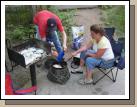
x=117 y=50
x=109 y=32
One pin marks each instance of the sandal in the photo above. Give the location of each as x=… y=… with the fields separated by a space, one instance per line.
x=85 y=81
x=75 y=72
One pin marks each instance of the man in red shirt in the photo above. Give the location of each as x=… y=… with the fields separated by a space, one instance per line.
x=47 y=23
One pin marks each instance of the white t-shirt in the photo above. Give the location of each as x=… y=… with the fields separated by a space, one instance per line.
x=104 y=43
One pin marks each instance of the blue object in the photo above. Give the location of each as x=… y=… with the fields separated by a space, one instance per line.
x=55 y=39
x=60 y=56
x=116 y=47
x=121 y=63
x=77 y=43
x=109 y=32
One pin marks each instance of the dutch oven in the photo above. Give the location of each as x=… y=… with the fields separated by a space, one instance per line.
x=58 y=75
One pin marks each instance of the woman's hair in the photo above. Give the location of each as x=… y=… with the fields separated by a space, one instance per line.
x=97 y=29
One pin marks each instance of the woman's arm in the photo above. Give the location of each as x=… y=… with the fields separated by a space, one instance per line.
x=85 y=47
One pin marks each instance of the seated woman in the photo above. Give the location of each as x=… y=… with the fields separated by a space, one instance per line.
x=102 y=51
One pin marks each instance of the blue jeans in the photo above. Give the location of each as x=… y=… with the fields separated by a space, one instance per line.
x=91 y=63
x=51 y=38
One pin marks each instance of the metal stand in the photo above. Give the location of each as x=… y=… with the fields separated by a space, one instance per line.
x=33 y=75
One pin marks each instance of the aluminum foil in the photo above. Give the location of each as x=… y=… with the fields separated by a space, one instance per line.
x=57 y=66
x=32 y=54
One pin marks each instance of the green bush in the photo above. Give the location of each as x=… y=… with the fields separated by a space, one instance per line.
x=20 y=32
x=104 y=7
x=18 y=15
x=115 y=17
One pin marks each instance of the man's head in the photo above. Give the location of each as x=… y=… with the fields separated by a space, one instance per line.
x=51 y=25
x=97 y=31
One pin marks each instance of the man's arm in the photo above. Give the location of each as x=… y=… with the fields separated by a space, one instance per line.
x=64 y=38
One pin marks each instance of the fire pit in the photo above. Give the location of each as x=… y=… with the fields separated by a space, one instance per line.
x=27 y=54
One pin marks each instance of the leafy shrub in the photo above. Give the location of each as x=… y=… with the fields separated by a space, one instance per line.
x=18 y=15
x=115 y=17
x=19 y=32
x=104 y=7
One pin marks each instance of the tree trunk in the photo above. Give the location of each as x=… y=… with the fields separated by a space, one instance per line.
x=34 y=9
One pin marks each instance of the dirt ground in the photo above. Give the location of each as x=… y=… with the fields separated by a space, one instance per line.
x=88 y=17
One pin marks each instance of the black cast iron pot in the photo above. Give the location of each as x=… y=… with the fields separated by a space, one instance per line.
x=59 y=75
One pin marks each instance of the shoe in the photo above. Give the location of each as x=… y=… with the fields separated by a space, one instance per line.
x=81 y=81
x=75 y=72
x=89 y=81
x=85 y=81
x=79 y=70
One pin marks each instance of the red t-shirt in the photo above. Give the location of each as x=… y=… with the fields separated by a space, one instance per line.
x=40 y=19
